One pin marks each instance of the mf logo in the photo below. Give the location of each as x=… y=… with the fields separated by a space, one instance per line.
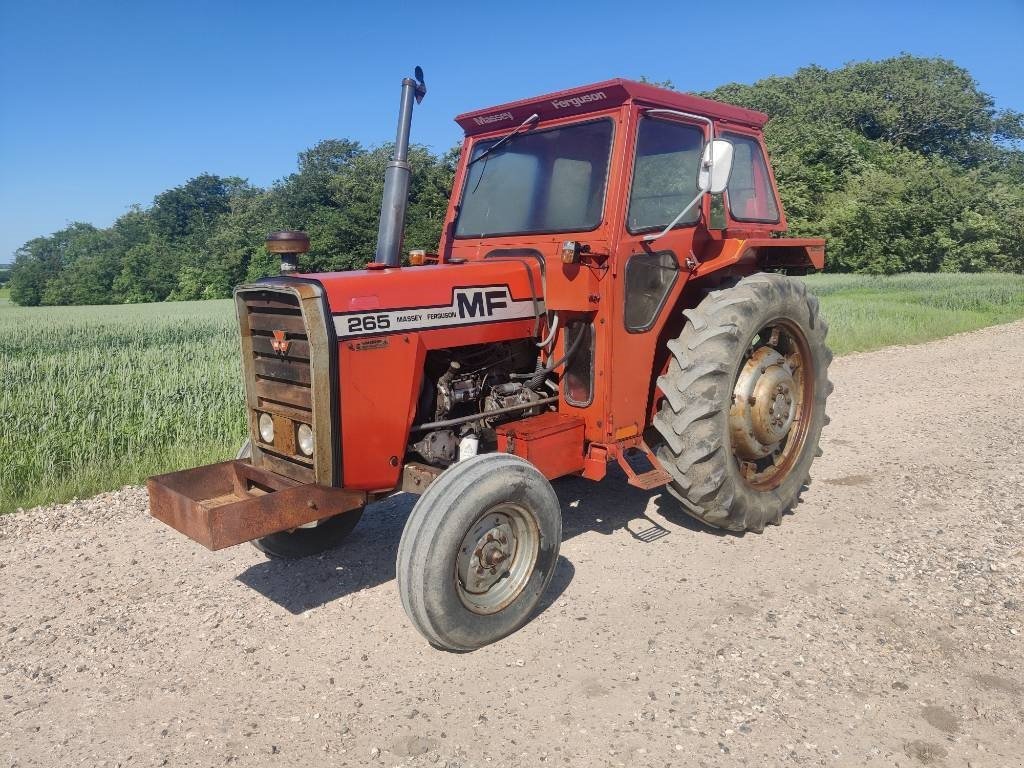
x=480 y=302
x=469 y=306
x=280 y=343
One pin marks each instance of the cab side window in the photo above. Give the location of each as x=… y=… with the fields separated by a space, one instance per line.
x=664 y=174
x=750 y=193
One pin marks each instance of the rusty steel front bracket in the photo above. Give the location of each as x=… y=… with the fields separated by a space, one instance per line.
x=232 y=502
x=416 y=477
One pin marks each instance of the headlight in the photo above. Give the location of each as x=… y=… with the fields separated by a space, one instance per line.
x=306 y=439
x=266 y=425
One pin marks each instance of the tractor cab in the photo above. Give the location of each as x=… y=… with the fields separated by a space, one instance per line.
x=624 y=192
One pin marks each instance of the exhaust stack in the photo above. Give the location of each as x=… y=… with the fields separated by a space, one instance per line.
x=396 y=177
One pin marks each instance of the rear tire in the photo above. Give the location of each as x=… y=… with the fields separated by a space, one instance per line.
x=309 y=540
x=750 y=366
x=478 y=551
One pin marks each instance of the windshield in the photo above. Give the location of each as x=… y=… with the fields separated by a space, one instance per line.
x=544 y=181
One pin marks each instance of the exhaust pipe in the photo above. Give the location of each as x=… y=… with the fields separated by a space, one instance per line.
x=396 y=178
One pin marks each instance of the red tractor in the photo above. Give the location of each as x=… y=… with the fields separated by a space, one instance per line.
x=610 y=285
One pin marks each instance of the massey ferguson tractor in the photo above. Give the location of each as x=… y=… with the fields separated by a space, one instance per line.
x=610 y=286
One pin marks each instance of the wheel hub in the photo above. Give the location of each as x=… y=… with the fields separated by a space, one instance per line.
x=764 y=404
x=496 y=558
x=495 y=547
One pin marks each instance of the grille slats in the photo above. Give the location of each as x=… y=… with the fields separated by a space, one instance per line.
x=282 y=369
x=284 y=392
x=260 y=321
x=282 y=381
x=298 y=349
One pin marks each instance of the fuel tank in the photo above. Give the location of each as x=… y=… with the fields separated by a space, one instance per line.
x=384 y=323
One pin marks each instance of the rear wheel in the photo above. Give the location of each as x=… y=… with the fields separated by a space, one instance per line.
x=744 y=402
x=478 y=551
x=307 y=540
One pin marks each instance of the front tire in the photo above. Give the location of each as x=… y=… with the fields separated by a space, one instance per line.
x=308 y=540
x=744 y=402
x=478 y=551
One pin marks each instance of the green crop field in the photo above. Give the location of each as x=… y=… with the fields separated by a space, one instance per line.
x=96 y=397
x=866 y=312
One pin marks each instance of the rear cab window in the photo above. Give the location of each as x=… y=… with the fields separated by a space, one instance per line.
x=750 y=193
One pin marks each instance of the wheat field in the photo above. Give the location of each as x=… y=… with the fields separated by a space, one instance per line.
x=97 y=397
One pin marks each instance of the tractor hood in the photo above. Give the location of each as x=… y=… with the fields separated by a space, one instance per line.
x=455 y=297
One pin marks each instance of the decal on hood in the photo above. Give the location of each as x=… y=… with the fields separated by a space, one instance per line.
x=469 y=306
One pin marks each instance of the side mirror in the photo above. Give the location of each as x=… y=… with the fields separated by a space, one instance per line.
x=715 y=167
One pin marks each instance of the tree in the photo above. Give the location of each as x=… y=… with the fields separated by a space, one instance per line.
x=902 y=164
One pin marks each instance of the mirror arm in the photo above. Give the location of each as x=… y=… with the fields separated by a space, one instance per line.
x=675 y=221
x=711 y=165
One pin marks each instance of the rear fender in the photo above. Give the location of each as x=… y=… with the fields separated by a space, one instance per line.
x=765 y=254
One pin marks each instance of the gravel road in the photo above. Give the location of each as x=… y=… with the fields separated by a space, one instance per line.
x=880 y=625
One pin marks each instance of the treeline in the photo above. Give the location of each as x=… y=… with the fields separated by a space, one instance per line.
x=903 y=164
x=201 y=239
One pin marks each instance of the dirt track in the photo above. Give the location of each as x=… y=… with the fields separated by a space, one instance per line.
x=881 y=624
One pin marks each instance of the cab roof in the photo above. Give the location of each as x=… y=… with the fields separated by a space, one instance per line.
x=599 y=96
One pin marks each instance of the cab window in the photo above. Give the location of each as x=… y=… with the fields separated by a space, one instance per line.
x=550 y=180
x=750 y=193
x=664 y=174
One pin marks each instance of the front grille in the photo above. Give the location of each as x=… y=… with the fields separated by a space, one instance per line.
x=279 y=381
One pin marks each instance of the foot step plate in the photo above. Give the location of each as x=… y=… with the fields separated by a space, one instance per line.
x=647 y=480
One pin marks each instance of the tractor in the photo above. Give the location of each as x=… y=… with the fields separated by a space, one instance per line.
x=610 y=285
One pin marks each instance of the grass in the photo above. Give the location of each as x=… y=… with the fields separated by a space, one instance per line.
x=92 y=398
x=866 y=312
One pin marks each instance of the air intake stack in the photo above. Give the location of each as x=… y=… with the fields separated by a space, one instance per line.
x=289 y=244
x=396 y=177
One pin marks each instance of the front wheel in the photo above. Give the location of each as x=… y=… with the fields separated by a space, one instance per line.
x=478 y=551
x=744 y=402
x=307 y=540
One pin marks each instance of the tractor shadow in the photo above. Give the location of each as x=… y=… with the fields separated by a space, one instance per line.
x=367 y=558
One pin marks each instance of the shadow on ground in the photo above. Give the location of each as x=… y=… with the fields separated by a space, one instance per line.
x=367 y=558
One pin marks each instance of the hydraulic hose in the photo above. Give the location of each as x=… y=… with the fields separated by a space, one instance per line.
x=542 y=371
x=551 y=334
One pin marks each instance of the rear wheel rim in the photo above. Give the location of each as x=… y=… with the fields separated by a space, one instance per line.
x=772 y=404
x=496 y=558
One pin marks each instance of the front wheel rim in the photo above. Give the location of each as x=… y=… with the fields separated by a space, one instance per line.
x=496 y=558
x=772 y=404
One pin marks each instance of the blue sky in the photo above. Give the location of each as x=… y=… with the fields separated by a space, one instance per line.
x=105 y=104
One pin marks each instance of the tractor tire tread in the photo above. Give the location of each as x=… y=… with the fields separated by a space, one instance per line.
x=697 y=388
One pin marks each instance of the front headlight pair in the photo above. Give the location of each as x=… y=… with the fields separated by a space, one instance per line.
x=304 y=434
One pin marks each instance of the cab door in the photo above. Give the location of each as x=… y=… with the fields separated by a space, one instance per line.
x=650 y=276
